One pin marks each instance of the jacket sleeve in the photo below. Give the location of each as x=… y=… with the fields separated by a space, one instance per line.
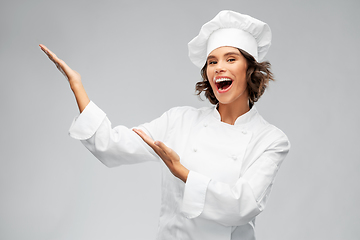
x=240 y=203
x=114 y=146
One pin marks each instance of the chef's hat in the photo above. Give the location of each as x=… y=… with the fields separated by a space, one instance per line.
x=231 y=29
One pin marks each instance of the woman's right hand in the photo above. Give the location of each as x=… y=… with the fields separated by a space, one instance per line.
x=73 y=77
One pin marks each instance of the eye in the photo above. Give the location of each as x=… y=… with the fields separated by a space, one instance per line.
x=231 y=60
x=212 y=62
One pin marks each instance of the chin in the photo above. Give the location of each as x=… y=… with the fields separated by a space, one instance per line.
x=226 y=100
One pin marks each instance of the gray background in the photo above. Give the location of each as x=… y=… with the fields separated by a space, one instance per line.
x=132 y=56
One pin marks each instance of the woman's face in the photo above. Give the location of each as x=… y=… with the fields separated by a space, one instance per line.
x=226 y=72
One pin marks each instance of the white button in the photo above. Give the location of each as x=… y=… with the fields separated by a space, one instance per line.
x=205 y=125
x=234 y=157
x=195 y=149
x=244 y=131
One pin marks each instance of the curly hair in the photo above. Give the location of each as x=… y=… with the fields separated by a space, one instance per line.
x=258 y=76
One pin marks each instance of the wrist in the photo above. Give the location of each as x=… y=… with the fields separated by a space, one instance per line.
x=76 y=86
x=82 y=98
x=182 y=173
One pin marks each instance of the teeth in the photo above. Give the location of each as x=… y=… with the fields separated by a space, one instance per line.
x=222 y=80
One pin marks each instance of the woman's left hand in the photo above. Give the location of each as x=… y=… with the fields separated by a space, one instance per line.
x=169 y=156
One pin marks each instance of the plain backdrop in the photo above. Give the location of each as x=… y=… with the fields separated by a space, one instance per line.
x=132 y=56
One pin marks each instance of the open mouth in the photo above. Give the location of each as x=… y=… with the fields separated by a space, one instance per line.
x=223 y=84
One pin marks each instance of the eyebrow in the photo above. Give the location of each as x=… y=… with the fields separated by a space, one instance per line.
x=225 y=55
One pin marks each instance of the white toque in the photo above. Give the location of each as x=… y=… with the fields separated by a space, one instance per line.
x=230 y=29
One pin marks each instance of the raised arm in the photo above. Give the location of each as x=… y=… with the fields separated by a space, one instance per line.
x=72 y=76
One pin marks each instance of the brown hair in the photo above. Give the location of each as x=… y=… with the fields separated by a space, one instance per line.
x=258 y=76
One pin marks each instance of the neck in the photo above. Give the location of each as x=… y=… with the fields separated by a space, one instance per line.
x=230 y=112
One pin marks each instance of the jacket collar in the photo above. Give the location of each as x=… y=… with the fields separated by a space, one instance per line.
x=241 y=120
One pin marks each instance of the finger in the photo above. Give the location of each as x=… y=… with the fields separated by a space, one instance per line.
x=51 y=56
x=168 y=153
x=145 y=138
x=61 y=70
x=60 y=64
x=49 y=53
x=163 y=147
x=149 y=141
x=64 y=68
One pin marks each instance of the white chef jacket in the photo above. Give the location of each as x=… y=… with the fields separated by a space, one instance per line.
x=232 y=167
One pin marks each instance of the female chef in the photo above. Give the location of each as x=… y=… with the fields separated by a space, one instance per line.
x=220 y=161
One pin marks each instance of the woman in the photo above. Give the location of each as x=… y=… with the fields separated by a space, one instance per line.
x=222 y=159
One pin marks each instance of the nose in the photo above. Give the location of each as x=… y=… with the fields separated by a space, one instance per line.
x=219 y=68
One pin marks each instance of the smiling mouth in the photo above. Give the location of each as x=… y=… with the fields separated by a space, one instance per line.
x=223 y=84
